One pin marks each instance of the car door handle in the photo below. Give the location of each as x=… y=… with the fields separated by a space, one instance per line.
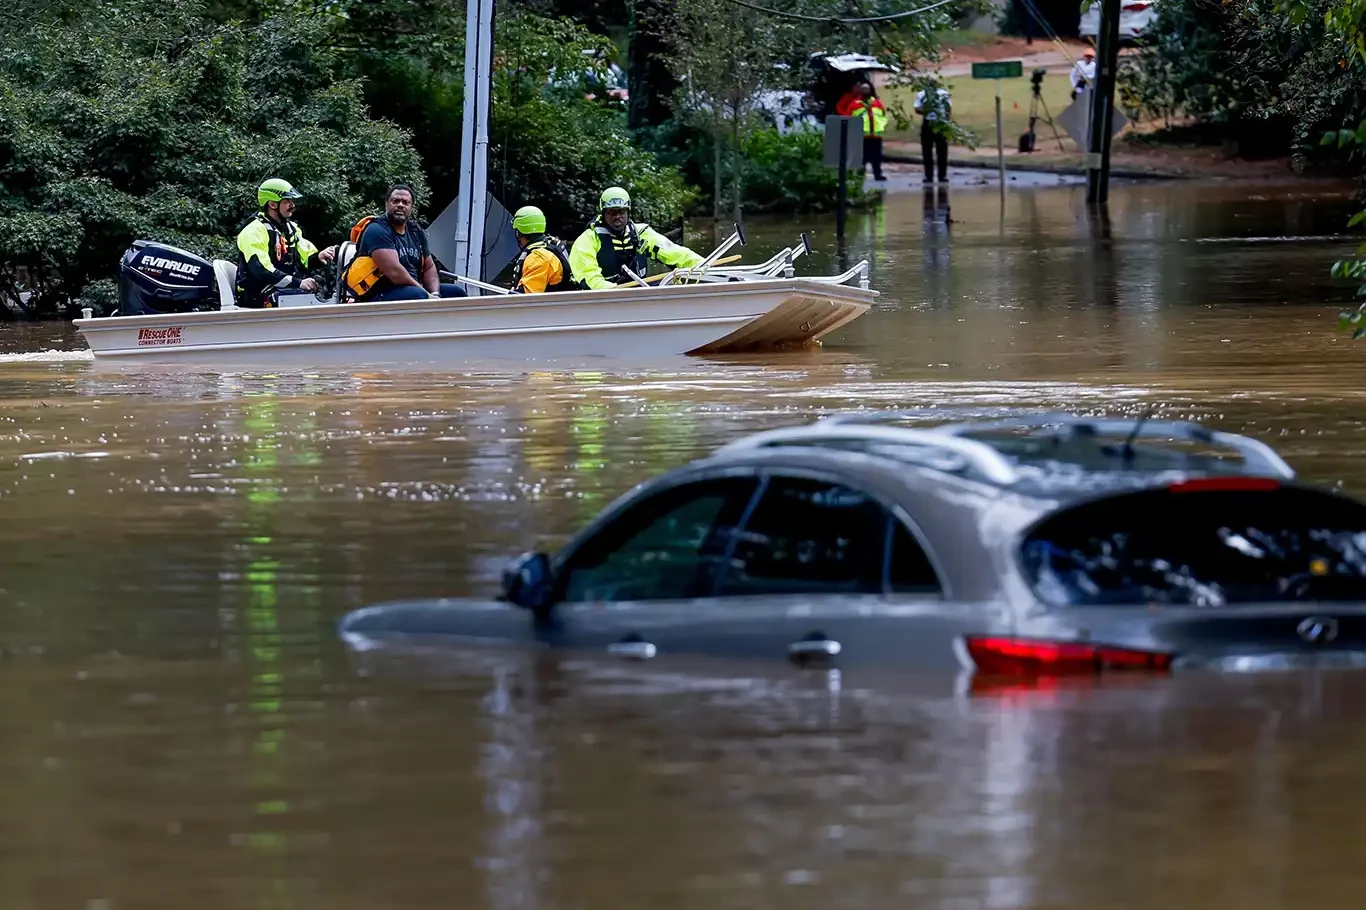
x=814 y=645
x=632 y=647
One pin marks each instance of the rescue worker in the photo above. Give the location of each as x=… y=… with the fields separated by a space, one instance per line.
x=870 y=109
x=272 y=252
x=612 y=241
x=543 y=264
x=393 y=260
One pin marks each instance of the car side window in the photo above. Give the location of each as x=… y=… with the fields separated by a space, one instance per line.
x=909 y=570
x=665 y=546
x=809 y=537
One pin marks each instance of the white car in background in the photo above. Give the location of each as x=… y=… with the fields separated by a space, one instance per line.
x=1134 y=17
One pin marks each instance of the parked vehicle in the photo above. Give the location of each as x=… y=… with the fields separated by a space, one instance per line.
x=1042 y=544
x=1135 y=17
x=823 y=80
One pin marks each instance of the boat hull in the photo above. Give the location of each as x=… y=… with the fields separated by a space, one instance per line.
x=622 y=324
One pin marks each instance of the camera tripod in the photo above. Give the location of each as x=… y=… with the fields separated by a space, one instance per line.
x=1028 y=139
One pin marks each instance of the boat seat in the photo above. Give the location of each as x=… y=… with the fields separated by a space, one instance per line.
x=226 y=275
x=346 y=252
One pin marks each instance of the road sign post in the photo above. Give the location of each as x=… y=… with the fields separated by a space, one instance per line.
x=998 y=70
x=844 y=150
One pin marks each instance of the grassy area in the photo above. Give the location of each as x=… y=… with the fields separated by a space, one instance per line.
x=974 y=107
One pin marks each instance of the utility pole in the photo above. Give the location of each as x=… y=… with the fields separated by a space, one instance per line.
x=1103 y=104
x=474 y=142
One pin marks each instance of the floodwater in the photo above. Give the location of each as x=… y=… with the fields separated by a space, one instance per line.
x=182 y=727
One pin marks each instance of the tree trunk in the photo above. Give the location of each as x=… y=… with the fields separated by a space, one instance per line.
x=648 y=76
x=737 y=171
x=716 y=175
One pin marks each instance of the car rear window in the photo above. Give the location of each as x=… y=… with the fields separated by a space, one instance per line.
x=1200 y=547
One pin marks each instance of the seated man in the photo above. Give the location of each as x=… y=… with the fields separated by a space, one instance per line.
x=613 y=241
x=543 y=264
x=272 y=252
x=393 y=260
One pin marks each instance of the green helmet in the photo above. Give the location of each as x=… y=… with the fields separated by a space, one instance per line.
x=614 y=197
x=529 y=220
x=275 y=189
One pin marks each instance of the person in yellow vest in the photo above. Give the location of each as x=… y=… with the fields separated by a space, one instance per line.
x=543 y=264
x=870 y=109
x=613 y=241
x=272 y=253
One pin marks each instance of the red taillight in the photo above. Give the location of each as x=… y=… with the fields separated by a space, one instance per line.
x=1134 y=7
x=1225 y=485
x=1029 y=656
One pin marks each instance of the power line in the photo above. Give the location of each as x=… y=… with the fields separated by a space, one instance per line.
x=842 y=21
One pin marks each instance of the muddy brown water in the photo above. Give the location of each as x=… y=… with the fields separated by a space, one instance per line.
x=182 y=728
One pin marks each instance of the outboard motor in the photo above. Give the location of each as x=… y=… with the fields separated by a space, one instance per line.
x=156 y=278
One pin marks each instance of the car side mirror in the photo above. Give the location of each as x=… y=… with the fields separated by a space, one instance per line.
x=528 y=581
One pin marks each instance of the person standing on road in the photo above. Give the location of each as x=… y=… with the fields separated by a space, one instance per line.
x=933 y=105
x=870 y=109
x=1083 y=72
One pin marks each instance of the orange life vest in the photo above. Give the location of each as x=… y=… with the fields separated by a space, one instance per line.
x=362 y=274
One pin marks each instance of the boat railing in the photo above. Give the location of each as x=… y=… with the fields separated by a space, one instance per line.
x=859 y=271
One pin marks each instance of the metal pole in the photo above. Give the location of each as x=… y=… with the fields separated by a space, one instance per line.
x=1000 y=140
x=474 y=142
x=844 y=177
x=1102 y=104
x=1111 y=86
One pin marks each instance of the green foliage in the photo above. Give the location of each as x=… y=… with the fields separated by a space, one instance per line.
x=560 y=157
x=126 y=119
x=1251 y=72
x=1345 y=20
x=142 y=119
x=731 y=62
x=787 y=173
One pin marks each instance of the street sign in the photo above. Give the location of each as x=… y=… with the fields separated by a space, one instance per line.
x=998 y=69
x=846 y=156
x=500 y=244
x=1075 y=119
x=853 y=143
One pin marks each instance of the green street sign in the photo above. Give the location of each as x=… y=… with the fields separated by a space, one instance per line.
x=998 y=69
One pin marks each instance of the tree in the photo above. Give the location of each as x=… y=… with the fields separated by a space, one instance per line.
x=142 y=118
x=1270 y=81
x=726 y=57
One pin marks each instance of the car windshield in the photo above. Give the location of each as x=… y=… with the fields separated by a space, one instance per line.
x=1203 y=549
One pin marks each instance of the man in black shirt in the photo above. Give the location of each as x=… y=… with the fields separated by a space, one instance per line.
x=398 y=247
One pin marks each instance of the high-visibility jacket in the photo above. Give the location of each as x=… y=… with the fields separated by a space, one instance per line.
x=875 y=125
x=599 y=254
x=271 y=257
x=543 y=265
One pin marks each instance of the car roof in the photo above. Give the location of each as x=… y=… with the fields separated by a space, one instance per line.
x=1046 y=456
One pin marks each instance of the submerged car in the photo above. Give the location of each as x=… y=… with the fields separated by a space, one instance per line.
x=1041 y=544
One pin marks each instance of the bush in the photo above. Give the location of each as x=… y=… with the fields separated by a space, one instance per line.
x=1272 y=82
x=146 y=120
x=783 y=174
x=787 y=173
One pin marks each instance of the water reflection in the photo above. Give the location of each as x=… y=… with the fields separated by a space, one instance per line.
x=183 y=725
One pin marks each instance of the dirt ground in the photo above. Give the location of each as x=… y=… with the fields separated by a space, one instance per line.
x=1008 y=47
